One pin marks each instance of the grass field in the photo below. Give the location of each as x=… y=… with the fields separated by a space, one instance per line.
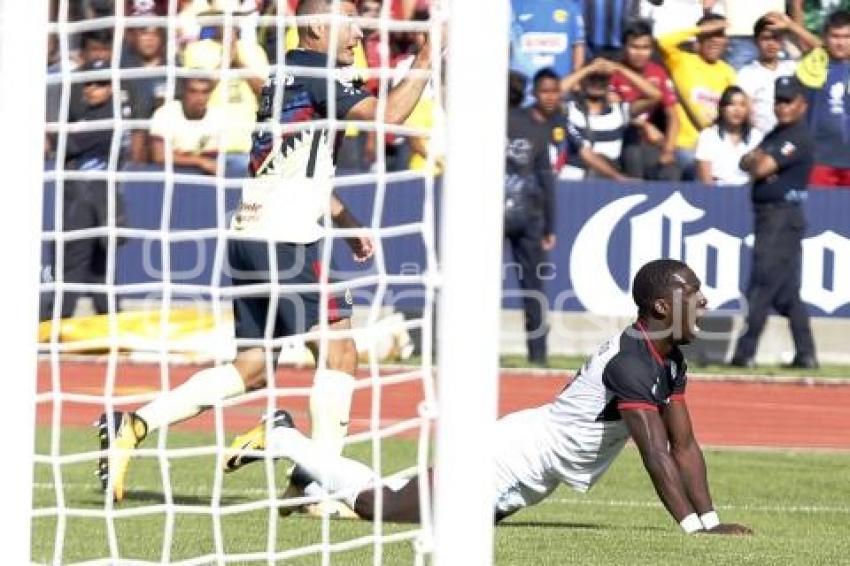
x=798 y=504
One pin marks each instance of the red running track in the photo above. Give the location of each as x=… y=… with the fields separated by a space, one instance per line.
x=762 y=414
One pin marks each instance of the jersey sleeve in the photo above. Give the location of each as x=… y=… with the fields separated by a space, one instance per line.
x=347 y=96
x=788 y=150
x=631 y=381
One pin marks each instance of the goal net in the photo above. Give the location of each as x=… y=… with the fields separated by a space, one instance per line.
x=152 y=126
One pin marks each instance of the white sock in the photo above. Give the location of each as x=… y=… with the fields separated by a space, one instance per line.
x=339 y=476
x=200 y=392
x=330 y=409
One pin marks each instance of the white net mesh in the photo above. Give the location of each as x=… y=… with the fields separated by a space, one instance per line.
x=161 y=233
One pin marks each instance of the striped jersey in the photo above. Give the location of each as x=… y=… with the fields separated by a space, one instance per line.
x=575 y=438
x=292 y=157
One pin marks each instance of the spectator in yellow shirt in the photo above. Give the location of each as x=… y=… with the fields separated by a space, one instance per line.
x=700 y=77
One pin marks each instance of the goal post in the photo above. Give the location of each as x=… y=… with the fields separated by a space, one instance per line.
x=23 y=41
x=471 y=284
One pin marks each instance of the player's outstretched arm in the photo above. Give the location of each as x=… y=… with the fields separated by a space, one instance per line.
x=688 y=456
x=402 y=99
x=361 y=246
x=650 y=435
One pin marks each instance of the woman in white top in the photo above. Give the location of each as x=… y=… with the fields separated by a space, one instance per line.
x=720 y=147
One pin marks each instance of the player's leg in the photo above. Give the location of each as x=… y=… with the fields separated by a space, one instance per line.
x=203 y=389
x=529 y=253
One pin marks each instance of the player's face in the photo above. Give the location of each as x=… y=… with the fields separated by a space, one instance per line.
x=737 y=111
x=638 y=51
x=349 y=35
x=688 y=307
x=95 y=50
x=548 y=95
x=790 y=111
x=769 y=43
x=712 y=48
x=837 y=42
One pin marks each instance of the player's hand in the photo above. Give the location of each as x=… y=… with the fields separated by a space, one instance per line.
x=667 y=156
x=729 y=529
x=548 y=242
x=363 y=248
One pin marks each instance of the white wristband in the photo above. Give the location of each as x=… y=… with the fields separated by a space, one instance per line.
x=709 y=520
x=691 y=523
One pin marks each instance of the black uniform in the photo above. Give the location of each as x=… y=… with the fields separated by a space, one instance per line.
x=777 y=255
x=529 y=216
x=85 y=204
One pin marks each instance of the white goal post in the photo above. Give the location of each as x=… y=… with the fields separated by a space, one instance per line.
x=23 y=47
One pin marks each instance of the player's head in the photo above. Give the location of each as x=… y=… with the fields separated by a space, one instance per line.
x=316 y=35
x=712 y=46
x=768 y=40
x=836 y=34
x=637 y=44
x=196 y=97
x=789 y=104
x=547 y=91
x=667 y=291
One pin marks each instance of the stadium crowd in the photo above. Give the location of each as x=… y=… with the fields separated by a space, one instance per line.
x=629 y=90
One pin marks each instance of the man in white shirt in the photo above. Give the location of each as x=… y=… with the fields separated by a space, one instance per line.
x=188 y=128
x=758 y=77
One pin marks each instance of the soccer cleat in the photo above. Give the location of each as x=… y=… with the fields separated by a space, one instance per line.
x=252 y=441
x=130 y=430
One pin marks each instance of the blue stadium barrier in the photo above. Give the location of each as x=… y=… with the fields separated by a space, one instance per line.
x=605 y=232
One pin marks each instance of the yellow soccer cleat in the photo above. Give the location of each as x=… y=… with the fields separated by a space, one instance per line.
x=254 y=440
x=129 y=433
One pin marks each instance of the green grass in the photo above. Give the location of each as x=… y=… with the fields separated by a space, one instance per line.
x=798 y=504
x=574 y=362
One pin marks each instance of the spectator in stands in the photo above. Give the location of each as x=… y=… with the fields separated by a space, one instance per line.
x=721 y=146
x=95 y=45
x=146 y=49
x=700 y=78
x=564 y=138
x=742 y=16
x=812 y=13
x=758 y=77
x=605 y=22
x=85 y=203
x=827 y=74
x=236 y=97
x=600 y=122
x=546 y=33
x=189 y=128
x=649 y=150
x=529 y=213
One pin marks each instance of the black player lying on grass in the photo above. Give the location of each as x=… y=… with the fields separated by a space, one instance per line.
x=632 y=386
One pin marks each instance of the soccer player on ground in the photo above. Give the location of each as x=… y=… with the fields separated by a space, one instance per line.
x=632 y=386
x=292 y=165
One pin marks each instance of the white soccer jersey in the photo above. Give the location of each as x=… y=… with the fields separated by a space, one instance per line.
x=575 y=438
x=292 y=162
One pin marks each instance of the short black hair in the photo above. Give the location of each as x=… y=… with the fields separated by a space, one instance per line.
x=636 y=28
x=103 y=36
x=653 y=281
x=543 y=74
x=516 y=88
x=760 y=25
x=711 y=18
x=837 y=19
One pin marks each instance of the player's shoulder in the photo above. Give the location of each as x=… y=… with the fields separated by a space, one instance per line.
x=631 y=353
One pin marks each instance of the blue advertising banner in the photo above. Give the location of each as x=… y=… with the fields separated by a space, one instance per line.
x=605 y=232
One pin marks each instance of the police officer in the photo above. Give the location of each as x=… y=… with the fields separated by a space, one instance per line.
x=529 y=213
x=780 y=167
x=85 y=202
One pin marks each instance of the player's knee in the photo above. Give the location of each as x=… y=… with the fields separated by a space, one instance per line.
x=343 y=356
